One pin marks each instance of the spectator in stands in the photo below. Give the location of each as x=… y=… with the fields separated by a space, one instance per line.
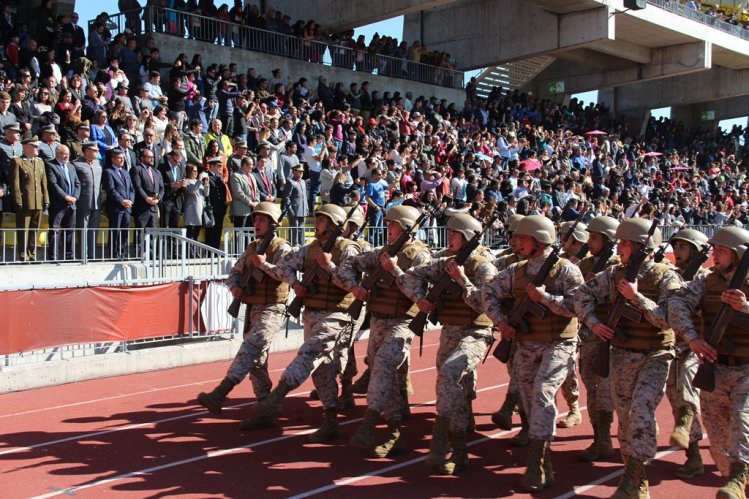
x=196 y=191
x=120 y=198
x=174 y=188
x=217 y=195
x=64 y=190
x=244 y=193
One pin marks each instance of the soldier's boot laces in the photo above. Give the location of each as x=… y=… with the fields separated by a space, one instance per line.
x=533 y=479
x=573 y=417
x=634 y=483
x=521 y=439
x=735 y=487
x=329 y=429
x=364 y=436
x=361 y=384
x=440 y=445
x=680 y=435
x=503 y=417
x=346 y=399
x=693 y=465
x=214 y=400
x=394 y=445
x=459 y=459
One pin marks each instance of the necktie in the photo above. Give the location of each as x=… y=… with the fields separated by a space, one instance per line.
x=127 y=160
x=67 y=178
x=265 y=180
x=122 y=176
x=150 y=175
x=252 y=186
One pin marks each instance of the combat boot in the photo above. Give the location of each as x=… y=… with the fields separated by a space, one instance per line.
x=272 y=405
x=533 y=479
x=605 y=446
x=364 y=436
x=440 y=445
x=572 y=418
x=394 y=444
x=329 y=429
x=680 y=435
x=406 y=412
x=346 y=399
x=634 y=484
x=459 y=459
x=503 y=417
x=735 y=487
x=521 y=439
x=591 y=453
x=361 y=385
x=693 y=466
x=214 y=400
x=548 y=470
x=313 y=395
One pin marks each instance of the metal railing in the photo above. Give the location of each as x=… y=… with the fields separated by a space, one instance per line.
x=696 y=15
x=169 y=253
x=210 y=30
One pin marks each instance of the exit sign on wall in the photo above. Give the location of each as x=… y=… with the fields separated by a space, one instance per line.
x=556 y=87
x=707 y=115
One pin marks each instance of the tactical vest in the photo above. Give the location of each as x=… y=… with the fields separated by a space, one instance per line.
x=329 y=296
x=363 y=245
x=268 y=290
x=586 y=264
x=506 y=304
x=455 y=311
x=644 y=336
x=389 y=300
x=715 y=285
x=553 y=327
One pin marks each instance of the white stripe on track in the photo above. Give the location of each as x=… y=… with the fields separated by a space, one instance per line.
x=223 y=452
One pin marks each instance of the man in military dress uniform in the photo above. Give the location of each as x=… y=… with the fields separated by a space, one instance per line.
x=28 y=185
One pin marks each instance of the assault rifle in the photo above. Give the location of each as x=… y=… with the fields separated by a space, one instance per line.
x=622 y=308
x=526 y=305
x=581 y=252
x=727 y=316
x=317 y=272
x=253 y=272
x=603 y=258
x=380 y=274
x=696 y=263
x=361 y=230
x=659 y=255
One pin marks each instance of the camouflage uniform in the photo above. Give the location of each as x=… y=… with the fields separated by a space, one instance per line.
x=724 y=410
x=641 y=363
x=541 y=366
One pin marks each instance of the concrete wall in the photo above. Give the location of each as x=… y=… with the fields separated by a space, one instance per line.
x=171 y=46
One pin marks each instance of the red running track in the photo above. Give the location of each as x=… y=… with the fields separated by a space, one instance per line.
x=143 y=435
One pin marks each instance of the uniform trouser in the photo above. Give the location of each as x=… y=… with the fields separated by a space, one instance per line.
x=461 y=349
x=61 y=241
x=571 y=387
x=261 y=323
x=89 y=220
x=597 y=389
x=27 y=221
x=344 y=352
x=726 y=416
x=513 y=386
x=390 y=340
x=322 y=330
x=541 y=368
x=638 y=383
x=680 y=390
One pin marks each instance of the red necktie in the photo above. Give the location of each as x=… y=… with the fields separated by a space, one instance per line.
x=252 y=186
x=265 y=180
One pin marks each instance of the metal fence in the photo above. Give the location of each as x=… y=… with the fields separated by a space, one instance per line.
x=169 y=253
x=210 y=30
x=696 y=15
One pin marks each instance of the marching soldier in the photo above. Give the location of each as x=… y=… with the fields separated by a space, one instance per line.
x=264 y=314
x=601 y=233
x=724 y=409
x=466 y=333
x=545 y=354
x=642 y=360
x=324 y=319
x=683 y=396
x=390 y=338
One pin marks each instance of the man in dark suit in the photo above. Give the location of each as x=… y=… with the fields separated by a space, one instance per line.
x=217 y=197
x=88 y=210
x=79 y=36
x=295 y=192
x=174 y=189
x=266 y=186
x=149 y=189
x=64 y=190
x=125 y=143
x=149 y=142
x=120 y=199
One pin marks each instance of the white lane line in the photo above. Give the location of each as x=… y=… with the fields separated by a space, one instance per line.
x=87 y=436
x=382 y=471
x=134 y=394
x=223 y=452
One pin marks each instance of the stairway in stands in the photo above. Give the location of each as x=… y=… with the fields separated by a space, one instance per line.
x=511 y=75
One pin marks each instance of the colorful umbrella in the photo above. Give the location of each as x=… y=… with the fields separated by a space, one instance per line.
x=653 y=154
x=530 y=164
x=596 y=132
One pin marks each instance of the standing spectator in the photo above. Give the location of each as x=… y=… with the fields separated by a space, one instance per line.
x=64 y=190
x=153 y=88
x=313 y=156
x=376 y=199
x=223 y=141
x=79 y=36
x=28 y=183
x=266 y=187
x=120 y=198
x=48 y=145
x=194 y=143
x=10 y=148
x=244 y=193
x=88 y=214
x=217 y=196
x=196 y=192
x=149 y=190
x=234 y=163
x=174 y=189
x=149 y=142
x=7 y=117
x=97 y=45
x=295 y=194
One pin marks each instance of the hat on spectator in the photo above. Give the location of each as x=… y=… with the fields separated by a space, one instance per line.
x=34 y=141
x=84 y=124
x=241 y=143
x=264 y=143
x=273 y=103
x=415 y=114
x=143 y=87
x=49 y=129
x=298 y=166
x=216 y=159
x=372 y=121
x=122 y=85
x=13 y=126
x=90 y=145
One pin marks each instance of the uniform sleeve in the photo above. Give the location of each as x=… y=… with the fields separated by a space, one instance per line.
x=349 y=253
x=657 y=313
x=568 y=280
x=273 y=268
x=682 y=305
x=290 y=264
x=472 y=291
x=236 y=271
x=591 y=293
x=496 y=291
x=414 y=282
x=350 y=270
x=423 y=258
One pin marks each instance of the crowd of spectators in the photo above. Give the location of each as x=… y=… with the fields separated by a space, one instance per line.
x=735 y=16
x=216 y=135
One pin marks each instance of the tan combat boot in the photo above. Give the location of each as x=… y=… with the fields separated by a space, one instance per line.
x=634 y=483
x=329 y=429
x=680 y=435
x=521 y=439
x=459 y=459
x=266 y=411
x=440 y=445
x=394 y=444
x=533 y=479
x=214 y=400
x=503 y=417
x=573 y=417
x=693 y=466
x=364 y=436
x=735 y=487
x=361 y=384
x=406 y=412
